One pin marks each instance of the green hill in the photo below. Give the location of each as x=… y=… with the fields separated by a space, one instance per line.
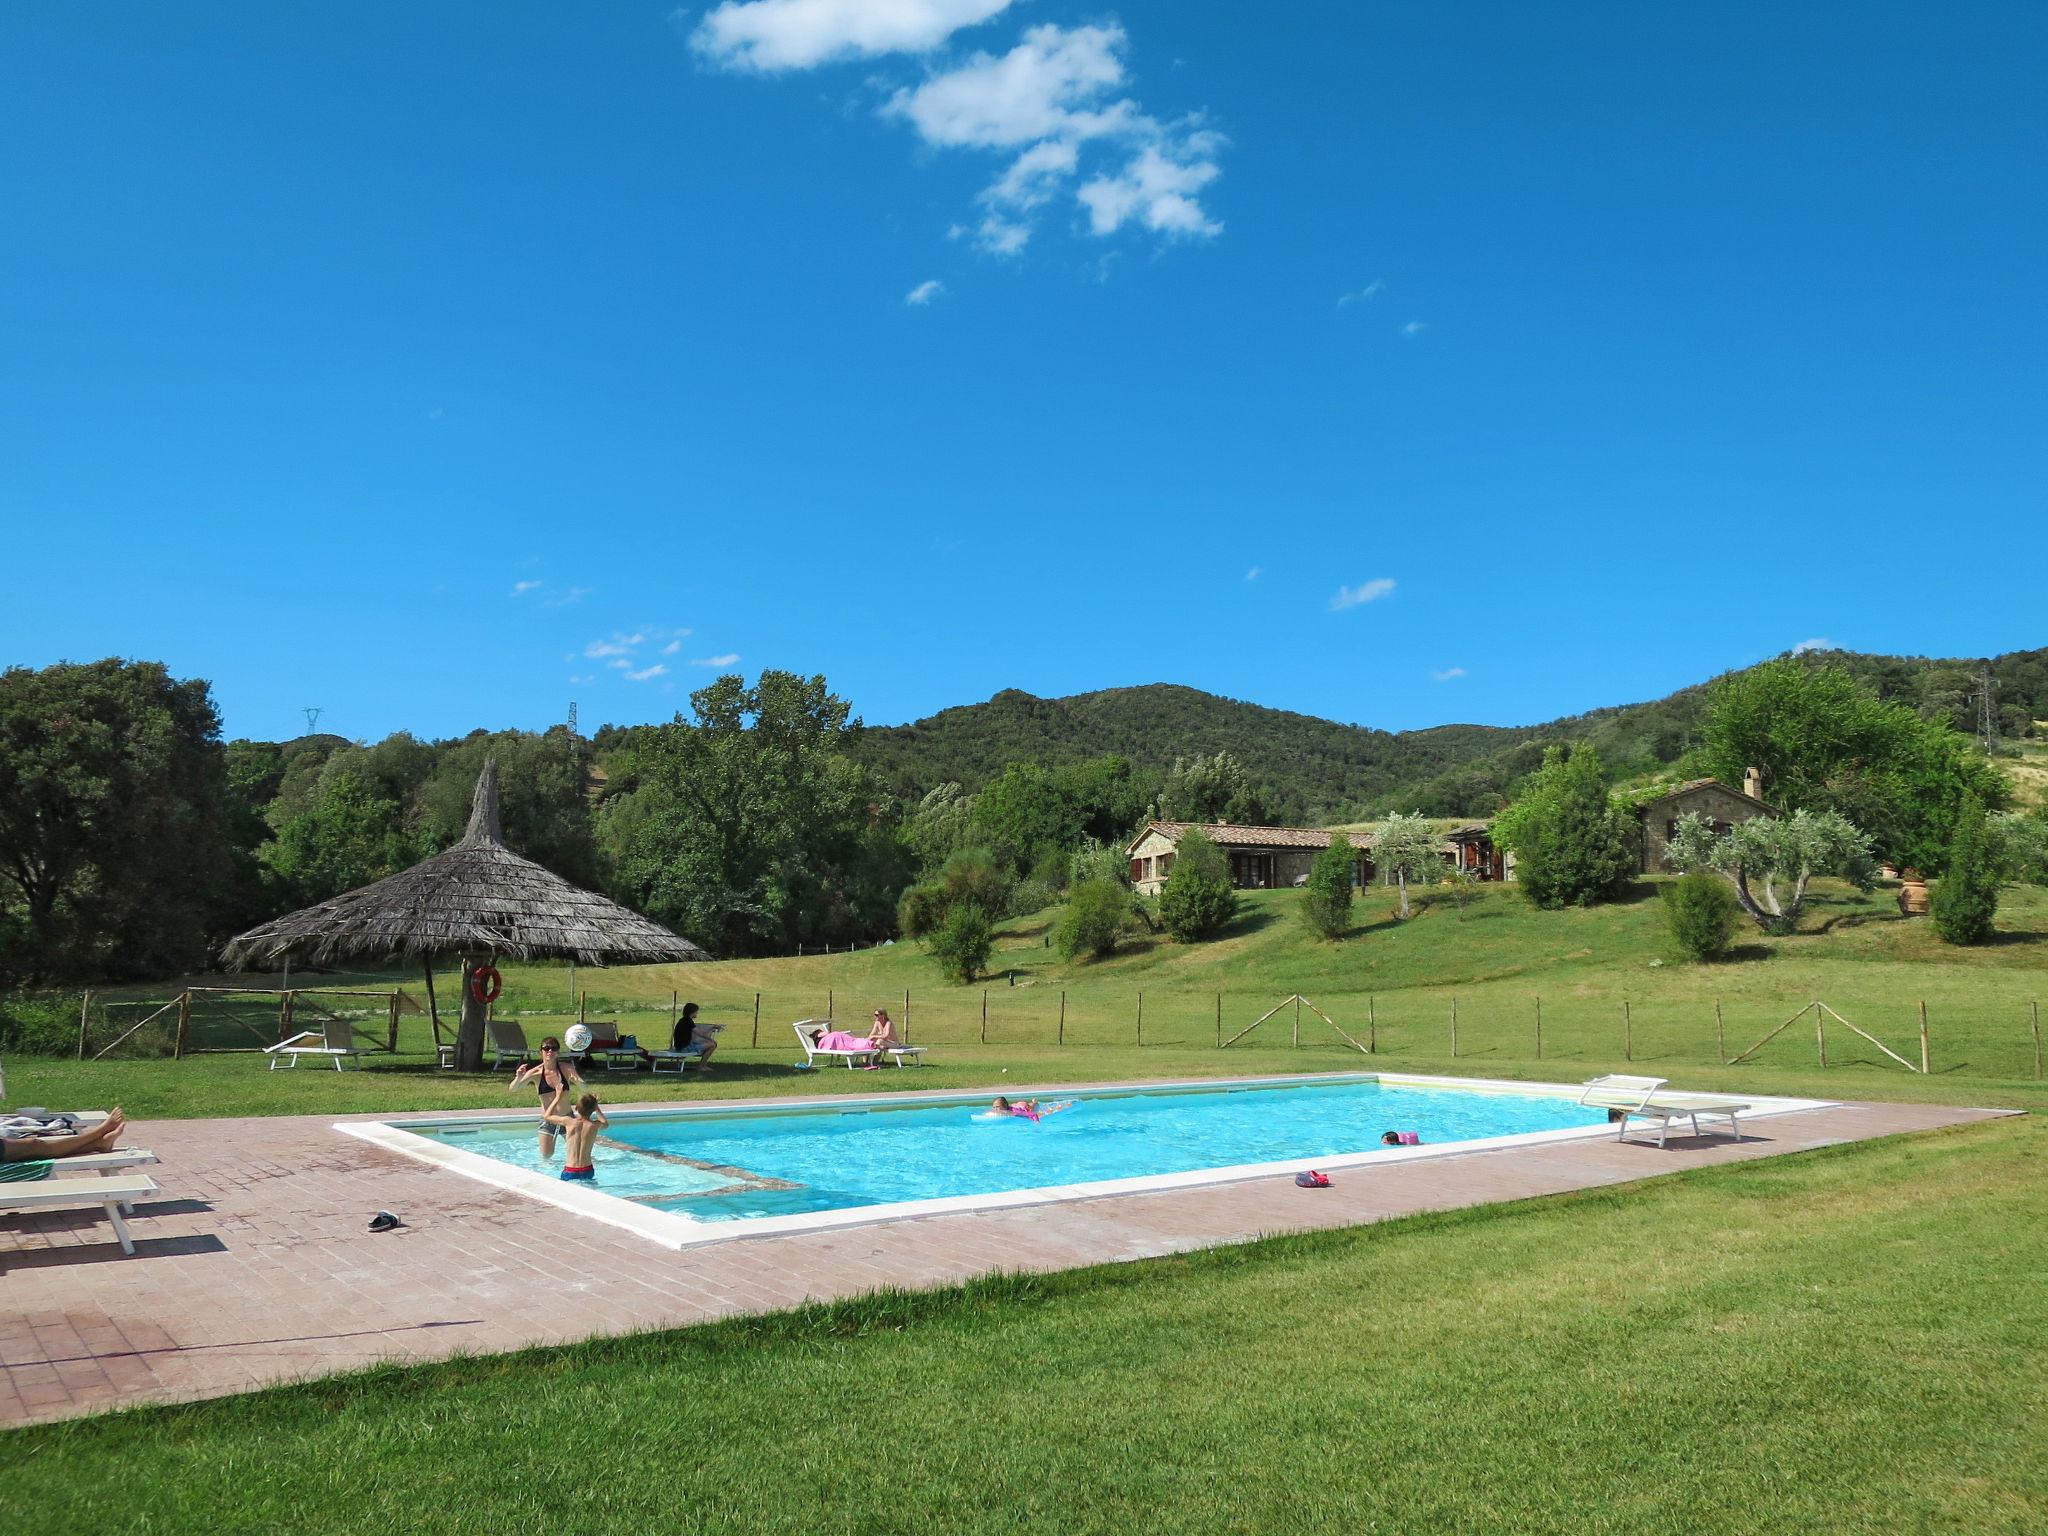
x=1314 y=770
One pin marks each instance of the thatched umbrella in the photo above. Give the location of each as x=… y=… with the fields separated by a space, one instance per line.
x=478 y=900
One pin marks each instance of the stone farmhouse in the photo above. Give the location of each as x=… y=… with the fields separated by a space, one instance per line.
x=1270 y=858
x=1710 y=798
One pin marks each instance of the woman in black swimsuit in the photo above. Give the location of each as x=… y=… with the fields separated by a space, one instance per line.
x=552 y=1077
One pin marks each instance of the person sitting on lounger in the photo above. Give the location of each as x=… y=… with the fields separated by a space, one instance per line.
x=883 y=1035
x=691 y=1036
x=38 y=1149
x=579 y=1129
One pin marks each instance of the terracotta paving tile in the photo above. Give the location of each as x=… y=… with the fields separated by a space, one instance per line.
x=255 y=1266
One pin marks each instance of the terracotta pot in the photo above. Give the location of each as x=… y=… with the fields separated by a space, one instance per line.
x=1913 y=898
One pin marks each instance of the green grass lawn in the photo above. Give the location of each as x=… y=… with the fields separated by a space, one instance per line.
x=1497 y=960
x=1846 y=1341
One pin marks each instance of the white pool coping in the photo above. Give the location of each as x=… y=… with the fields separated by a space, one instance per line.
x=675 y=1230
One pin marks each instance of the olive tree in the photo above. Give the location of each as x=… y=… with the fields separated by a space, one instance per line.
x=1770 y=860
x=1408 y=848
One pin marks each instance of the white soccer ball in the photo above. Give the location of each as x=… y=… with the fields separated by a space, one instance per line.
x=577 y=1038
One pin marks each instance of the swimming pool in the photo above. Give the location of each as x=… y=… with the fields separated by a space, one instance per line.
x=696 y=1174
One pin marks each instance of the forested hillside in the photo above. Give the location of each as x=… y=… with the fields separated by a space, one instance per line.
x=1312 y=770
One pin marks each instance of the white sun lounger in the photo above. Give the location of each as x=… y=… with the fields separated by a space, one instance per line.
x=119 y=1160
x=1642 y=1098
x=334 y=1041
x=113 y=1196
x=508 y=1040
x=808 y=1031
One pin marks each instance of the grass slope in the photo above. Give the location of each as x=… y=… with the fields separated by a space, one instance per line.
x=1848 y=1341
x=1496 y=960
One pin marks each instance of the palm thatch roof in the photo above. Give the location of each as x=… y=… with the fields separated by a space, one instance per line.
x=477 y=898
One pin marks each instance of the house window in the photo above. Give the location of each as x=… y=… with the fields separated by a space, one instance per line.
x=1137 y=870
x=1165 y=865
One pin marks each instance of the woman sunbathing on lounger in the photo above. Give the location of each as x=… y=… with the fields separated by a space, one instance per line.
x=33 y=1149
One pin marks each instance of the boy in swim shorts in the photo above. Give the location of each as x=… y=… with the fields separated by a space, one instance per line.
x=579 y=1134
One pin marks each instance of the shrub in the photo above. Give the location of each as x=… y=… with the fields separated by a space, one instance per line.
x=1703 y=913
x=970 y=877
x=921 y=910
x=1572 y=845
x=1033 y=895
x=1965 y=899
x=961 y=943
x=1197 y=900
x=1097 y=913
x=1326 y=906
x=1095 y=860
x=39 y=1024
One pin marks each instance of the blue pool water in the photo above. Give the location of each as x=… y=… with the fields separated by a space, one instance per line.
x=728 y=1167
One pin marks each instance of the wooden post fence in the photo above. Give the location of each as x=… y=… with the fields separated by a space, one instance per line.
x=582 y=1005
x=1297 y=1021
x=1454 y=1029
x=673 y=999
x=1767 y=1039
x=1372 y=1026
x=84 y=1012
x=828 y=1004
x=1924 y=1068
x=906 y=1015
x=2037 y=1038
x=1219 y=1028
x=1720 y=1035
x=1312 y=1008
x=184 y=1026
x=1820 y=1035
x=984 y=1015
x=757 y=1019
x=1628 y=1033
x=1063 y=1018
x=391 y=1043
x=1141 y=1016
x=1539 y=1029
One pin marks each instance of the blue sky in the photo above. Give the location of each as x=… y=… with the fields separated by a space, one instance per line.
x=440 y=364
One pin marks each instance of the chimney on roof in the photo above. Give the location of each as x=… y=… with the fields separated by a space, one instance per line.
x=1753 y=783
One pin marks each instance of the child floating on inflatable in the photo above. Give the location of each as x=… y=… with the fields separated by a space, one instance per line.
x=1025 y=1109
x=1400 y=1139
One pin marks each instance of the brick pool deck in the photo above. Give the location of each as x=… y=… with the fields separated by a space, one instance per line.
x=253 y=1265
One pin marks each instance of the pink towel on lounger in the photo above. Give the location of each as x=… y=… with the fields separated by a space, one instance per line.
x=840 y=1040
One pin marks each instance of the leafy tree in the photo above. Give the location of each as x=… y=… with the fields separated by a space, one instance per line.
x=1827 y=742
x=114 y=826
x=1703 y=913
x=749 y=828
x=1095 y=917
x=1326 y=905
x=1024 y=813
x=939 y=827
x=1198 y=901
x=2022 y=846
x=1095 y=860
x=348 y=837
x=1760 y=855
x=1210 y=789
x=962 y=942
x=1965 y=899
x=1572 y=844
x=1409 y=849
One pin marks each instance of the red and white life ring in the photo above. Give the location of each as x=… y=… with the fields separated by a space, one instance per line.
x=485 y=984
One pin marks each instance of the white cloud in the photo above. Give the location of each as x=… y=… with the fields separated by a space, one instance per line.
x=1365 y=592
x=1361 y=295
x=1252 y=574
x=769 y=35
x=618 y=645
x=1447 y=674
x=1156 y=190
x=644 y=673
x=728 y=659
x=1805 y=646
x=1414 y=328
x=521 y=588
x=924 y=292
x=573 y=595
x=674 y=645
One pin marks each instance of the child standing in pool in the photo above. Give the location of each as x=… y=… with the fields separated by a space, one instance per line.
x=579 y=1134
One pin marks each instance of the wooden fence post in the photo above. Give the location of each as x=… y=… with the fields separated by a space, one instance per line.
x=1141 y=1015
x=184 y=1024
x=1372 y=1027
x=1820 y=1034
x=84 y=1012
x=1063 y=1018
x=757 y=1019
x=1923 y=1037
x=286 y=1012
x=1297 y=1021
x=1628 y=1032
x=2037 y=1037
x=984 y=1015
x=1454 y=1029
x=391 y=1044
x=1219 y=1024
x=829 y=1015
x=1720 y=1036
x=1539 y=1028
x=906 y=1015
x=582 y=1005
x=673 y=999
